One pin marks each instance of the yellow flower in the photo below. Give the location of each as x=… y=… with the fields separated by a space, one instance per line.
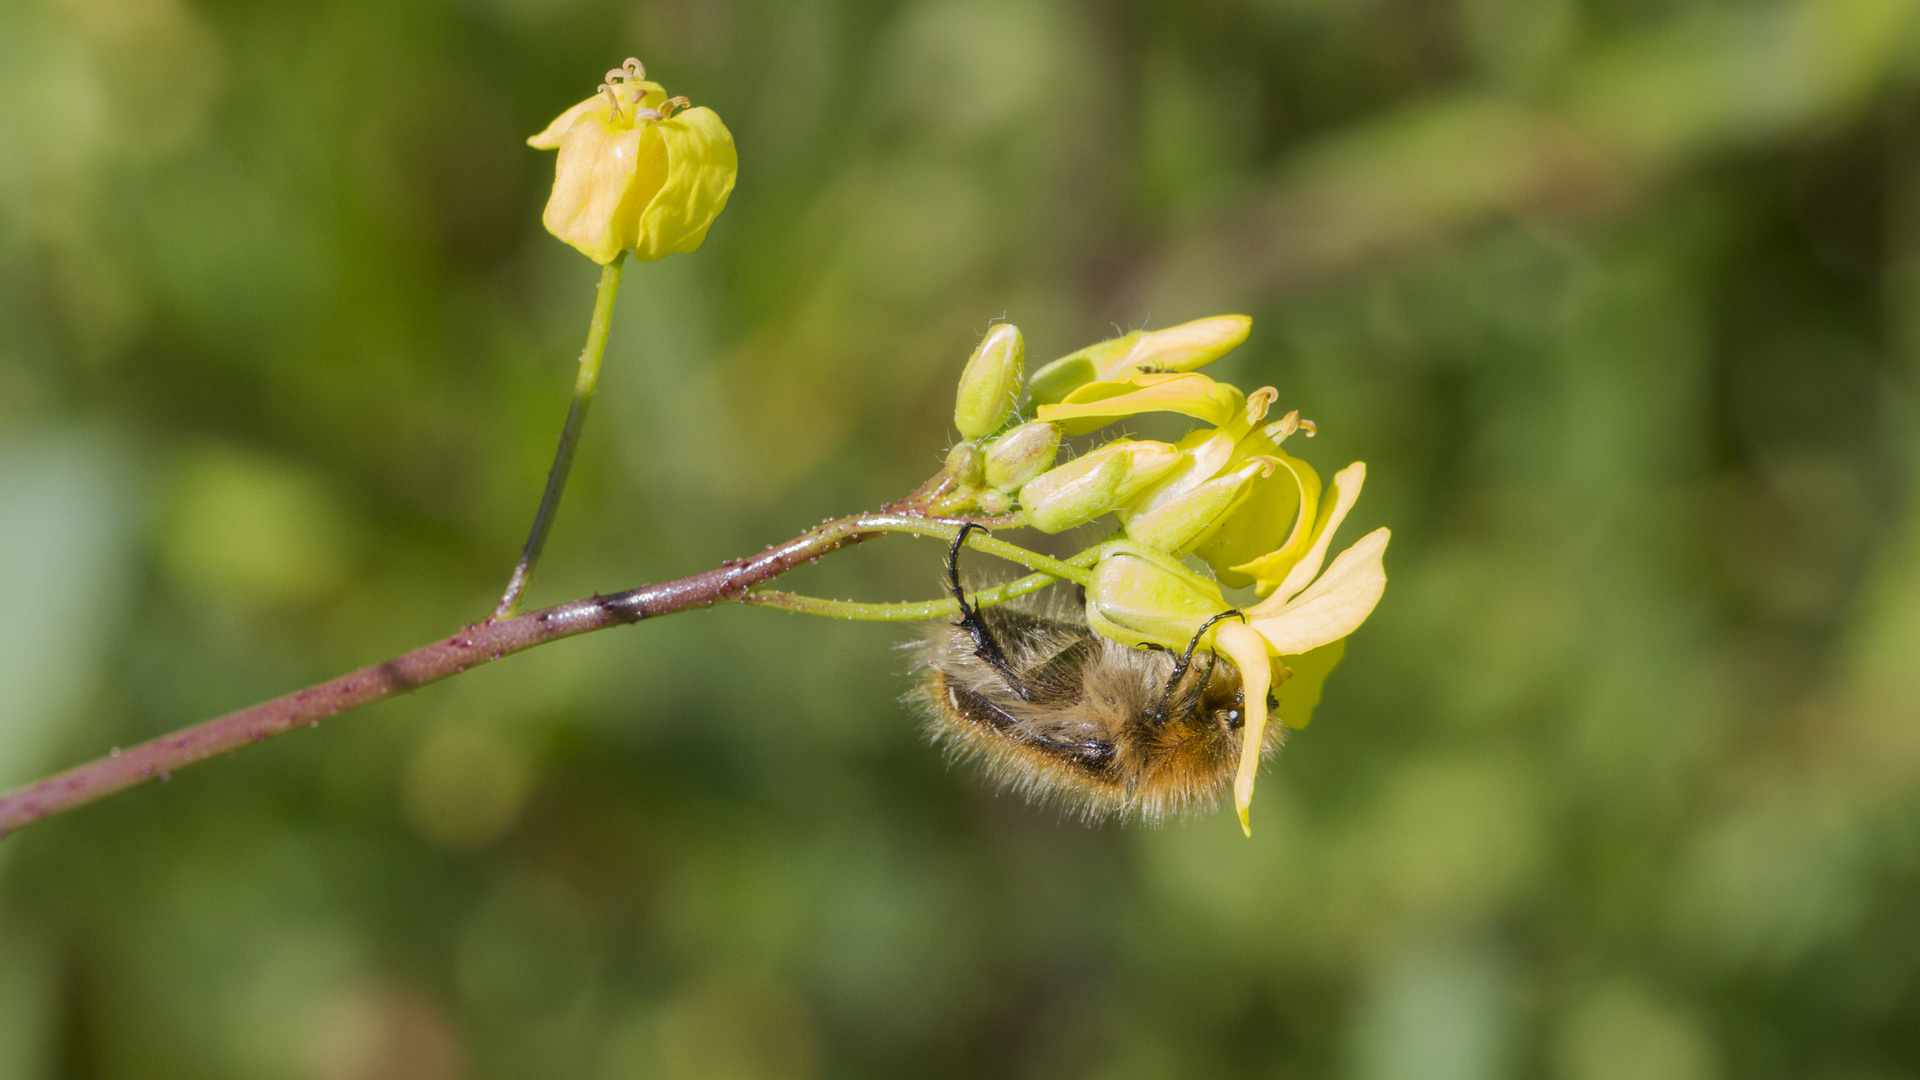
x=634 y=174
x=1142 y=595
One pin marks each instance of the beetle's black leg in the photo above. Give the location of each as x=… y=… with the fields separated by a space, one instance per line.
x=984 y=646
x=1186 y=660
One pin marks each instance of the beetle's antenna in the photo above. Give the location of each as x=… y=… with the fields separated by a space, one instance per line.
x=1186 y=660
x=984 y=646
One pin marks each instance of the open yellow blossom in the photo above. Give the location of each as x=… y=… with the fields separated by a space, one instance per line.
x=633 y=173
x=1142 y=595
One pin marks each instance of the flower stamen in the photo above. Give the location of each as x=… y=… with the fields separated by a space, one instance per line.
x=1287 y=425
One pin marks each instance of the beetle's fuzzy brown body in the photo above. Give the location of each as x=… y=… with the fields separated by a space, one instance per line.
x=1088 y=734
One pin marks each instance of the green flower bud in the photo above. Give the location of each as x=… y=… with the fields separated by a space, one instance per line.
x=964 y=463
x=1189 y=519
x=1142 y=596
x=1186 y=347
x=1022 y=454
x=1095 y=483
x=990 y=385
x=1074 y=493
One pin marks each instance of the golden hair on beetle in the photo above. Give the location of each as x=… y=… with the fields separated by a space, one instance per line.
x=1063 y=715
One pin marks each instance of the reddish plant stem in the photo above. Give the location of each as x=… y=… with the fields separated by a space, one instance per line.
x=478 y=643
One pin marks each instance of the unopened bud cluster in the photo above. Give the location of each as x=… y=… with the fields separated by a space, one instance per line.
x=1224 y=506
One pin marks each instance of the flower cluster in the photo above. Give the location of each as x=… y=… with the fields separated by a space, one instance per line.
x=1225 y=506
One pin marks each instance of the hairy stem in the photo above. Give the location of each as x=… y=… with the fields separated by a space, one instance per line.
x=945 y=529
x=585 y=382
x=906 y=612
x=476 y=644
x=910 y=612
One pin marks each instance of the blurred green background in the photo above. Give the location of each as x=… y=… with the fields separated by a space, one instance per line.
x=1617 y=298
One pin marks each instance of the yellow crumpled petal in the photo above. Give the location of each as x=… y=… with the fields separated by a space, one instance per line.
x=701 y=165
x=625 y=181
x=1098 y=404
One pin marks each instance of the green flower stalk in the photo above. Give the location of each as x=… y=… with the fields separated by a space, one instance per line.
x=638 y=171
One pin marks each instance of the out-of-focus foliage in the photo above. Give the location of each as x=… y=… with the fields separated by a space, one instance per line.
x=1616 y=298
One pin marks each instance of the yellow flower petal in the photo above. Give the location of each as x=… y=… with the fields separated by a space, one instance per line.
x=549 y=139
x=1191 y=345
x=1299 y=693
x=594 y=178
x=1177 y=348
x=1330 y=608
x=700 y=165
x=1179 y=525
x=1346 y=487
x=1098 y=404
x=1248 y=651
x=1203 y=454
